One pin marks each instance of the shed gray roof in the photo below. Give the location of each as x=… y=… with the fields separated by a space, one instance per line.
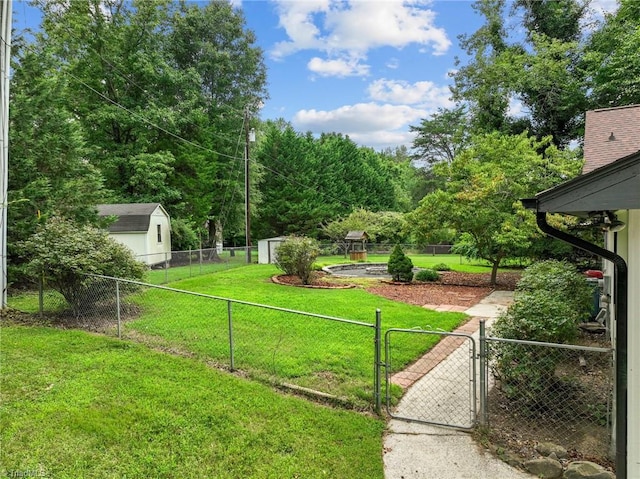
x=132 y=217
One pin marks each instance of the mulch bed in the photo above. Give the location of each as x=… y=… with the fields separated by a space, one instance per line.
x=454 y=288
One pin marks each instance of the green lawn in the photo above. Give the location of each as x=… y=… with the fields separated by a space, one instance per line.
x=330 y=356
x=454 y=261
x=79 y=405
x=274 y=346
x=176 y=273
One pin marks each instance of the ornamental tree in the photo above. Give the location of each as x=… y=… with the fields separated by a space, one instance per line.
x=400 y=266
x=481 y=197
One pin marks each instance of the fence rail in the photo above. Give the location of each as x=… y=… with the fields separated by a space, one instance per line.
x=338 y=358
x=176 y=265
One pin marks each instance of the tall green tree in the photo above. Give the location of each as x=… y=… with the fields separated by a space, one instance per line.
x=160 y=90
x=482 y=81
x=540 y=71
x=121 y=85
x=612 y=62
x=442 y=136
x=213 y=41
x=49 y=171
x=481 y=198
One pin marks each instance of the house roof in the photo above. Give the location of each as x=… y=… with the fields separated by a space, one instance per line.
x=615 y=186
x=610 y=134
x=131 y=217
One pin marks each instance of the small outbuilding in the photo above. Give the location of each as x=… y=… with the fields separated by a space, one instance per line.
x=267 y=249
x=357 y=240
x=145 y=228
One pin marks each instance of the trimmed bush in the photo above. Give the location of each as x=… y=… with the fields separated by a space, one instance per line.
x=63 y=253
x=400 y=267
x=560 y=280
x=552 y=298
x=427 y=275
x=296 y=255
x=442 y=267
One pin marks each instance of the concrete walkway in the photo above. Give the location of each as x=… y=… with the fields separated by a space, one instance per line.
x=420 y=451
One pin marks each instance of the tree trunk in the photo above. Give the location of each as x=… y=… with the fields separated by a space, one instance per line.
x=494 y=272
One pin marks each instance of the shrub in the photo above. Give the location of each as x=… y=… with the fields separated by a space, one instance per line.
x=296 y=255
x=442 y=267
x=427 y=275
x=552 y=297
x=561 y=280
x=183 y=237
x=400 y=267
x=63 y=253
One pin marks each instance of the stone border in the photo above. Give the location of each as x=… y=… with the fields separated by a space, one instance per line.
x=274 y=279
x=336 y=268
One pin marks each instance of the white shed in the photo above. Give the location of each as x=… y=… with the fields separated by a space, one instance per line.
x=145 y=228
x=267 y=249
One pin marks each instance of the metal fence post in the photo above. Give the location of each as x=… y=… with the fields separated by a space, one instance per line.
x=377 y=388
x=166 y=267
x=41 y=296
x=483 y=374
x=118 y=308
x=230 y=318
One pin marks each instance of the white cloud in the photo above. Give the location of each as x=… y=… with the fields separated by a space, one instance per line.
x=338 y=68
x=393 y=63
x=424 y=93
x=368 y=124
x=379 y=140
x=351 y=28
x=516 y=108
x=361 y=118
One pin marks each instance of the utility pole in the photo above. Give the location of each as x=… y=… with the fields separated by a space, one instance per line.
x=249 y=136
x=5 y=65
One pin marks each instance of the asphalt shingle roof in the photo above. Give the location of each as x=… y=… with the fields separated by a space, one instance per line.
x=132 y=217
x=610 y=134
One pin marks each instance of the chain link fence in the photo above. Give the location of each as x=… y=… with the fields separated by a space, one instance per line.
x=336 y=359
x=177 y=265
x=541 y=392
x=440 y=385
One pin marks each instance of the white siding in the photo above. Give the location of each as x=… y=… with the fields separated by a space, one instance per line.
x=633 y=262
x=628 y=246
x=267 y=249
x=157 y=252
x=136 y=242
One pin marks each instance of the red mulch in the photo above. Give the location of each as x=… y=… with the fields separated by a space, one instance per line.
x=455 y=288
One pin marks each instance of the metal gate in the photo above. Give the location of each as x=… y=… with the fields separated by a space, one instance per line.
x=440 y=387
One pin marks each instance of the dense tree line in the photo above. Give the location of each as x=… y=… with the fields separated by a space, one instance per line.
x=307 y=181
x=131 y=102
x=149 y=102
x=482 y=157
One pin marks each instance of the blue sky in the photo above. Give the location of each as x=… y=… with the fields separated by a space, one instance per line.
x=368 y=69
x=364 y=68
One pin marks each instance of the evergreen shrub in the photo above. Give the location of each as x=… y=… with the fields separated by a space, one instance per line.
x=427 y=275
x=400 y=267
